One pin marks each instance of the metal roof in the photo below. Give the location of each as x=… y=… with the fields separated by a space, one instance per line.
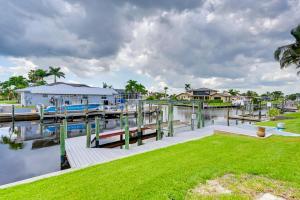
x=68 y=89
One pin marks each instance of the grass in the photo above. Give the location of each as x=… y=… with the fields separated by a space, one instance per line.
x=8 y=101
x=171 y=172
x=291 y=125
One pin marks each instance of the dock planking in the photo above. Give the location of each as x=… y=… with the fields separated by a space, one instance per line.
x=79 y=156
x=31 y=116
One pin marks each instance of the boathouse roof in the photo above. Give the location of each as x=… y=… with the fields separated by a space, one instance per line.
x=68 y=89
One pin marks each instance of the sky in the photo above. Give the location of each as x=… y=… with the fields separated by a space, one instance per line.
x=218 y=44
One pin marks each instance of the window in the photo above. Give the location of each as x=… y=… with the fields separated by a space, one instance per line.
x=103 y=97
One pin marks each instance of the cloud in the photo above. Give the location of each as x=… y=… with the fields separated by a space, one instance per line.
x=211 y=43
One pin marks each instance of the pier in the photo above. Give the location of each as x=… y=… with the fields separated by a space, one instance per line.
x=31 y=116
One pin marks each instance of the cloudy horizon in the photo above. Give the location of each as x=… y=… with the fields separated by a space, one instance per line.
x=207 y=43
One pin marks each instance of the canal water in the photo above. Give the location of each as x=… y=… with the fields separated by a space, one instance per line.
x=33 y=148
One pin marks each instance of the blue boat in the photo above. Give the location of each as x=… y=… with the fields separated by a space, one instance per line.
x=71 y=127
x=73 y=108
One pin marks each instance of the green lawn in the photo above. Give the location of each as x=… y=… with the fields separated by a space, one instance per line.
x=8 y=101
x=291 y=125
x=171 y=172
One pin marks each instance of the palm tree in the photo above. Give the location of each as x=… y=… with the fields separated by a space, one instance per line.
x=290 y=54
x=165 y=89
x=187 y=87
x=55 y=71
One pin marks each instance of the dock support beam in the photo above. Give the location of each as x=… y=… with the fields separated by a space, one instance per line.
x=170 y=120
x=62 y=145
x=200 y=121
x=159 y=114
x=139 y=122
x=88 y=135
x=65 y=124
x=126 y=130
x=97 y=130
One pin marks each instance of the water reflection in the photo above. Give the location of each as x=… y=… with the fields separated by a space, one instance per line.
x=29 y=149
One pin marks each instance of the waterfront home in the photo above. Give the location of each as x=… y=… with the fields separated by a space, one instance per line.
x=204 y=94
x=57 y=94
x=122 y=94
x=240 y=100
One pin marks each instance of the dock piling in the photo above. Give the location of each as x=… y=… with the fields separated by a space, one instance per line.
x=97 y=130
x=170 y=120
x=199 y=115
x=126 y=133
x=139 y=122
x=62 y=144
x=88 y=135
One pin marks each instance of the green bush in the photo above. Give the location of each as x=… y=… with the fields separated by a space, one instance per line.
x=273 y=112
x=215 y=101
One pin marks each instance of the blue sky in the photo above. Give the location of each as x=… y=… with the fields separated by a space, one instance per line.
x=207 y=43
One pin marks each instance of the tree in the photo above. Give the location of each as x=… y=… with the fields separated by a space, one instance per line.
x=105 y=85
x=36 y=77
x=133 y=86
x=290 y=54
x=233 y=92
x=250 y=93
x=187 y=87
x=165 y=89
x=13 y=83
x=277 y=95
x=55 y=72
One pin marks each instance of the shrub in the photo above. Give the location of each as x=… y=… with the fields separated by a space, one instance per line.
x=273 y=112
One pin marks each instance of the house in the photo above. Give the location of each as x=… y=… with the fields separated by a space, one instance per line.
x=224 y=96
x=204 y=94
x=66 y=93
x=123 y=95
x=240 y=100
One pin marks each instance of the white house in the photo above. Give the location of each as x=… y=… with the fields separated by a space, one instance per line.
x=66 y=93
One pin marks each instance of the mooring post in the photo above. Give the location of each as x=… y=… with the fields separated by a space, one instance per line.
x=41 y=113
x=121 y=119
x=139 y=122
x=97 y=130
x=193 y=117
x=126 y=129
x=88 y=135
x=199 y=115
x=158 y=124
x=228 y=116
x=170 y=120
x=13 y=113
x=65 y=123
x=62 y=144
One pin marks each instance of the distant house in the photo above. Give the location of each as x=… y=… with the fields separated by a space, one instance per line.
x=240 y=100
x=204 y=94
x=66 y=93
x=122 y=94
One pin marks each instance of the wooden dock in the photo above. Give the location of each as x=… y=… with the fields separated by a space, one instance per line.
x=245 y=118
x=31 y=116
x=80 y=156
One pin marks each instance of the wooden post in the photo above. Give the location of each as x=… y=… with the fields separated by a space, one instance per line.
x=158 y=124
x=97 y=130
x=65 y=123
x=13 y=113
x=139 y=122
x=199 y=115
x=227 y=116
x=193 y=117
x=41 y=113
x=170 y=120
x=126 y=129
x=88 y=135
x=62 y=144
x=121 y=119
